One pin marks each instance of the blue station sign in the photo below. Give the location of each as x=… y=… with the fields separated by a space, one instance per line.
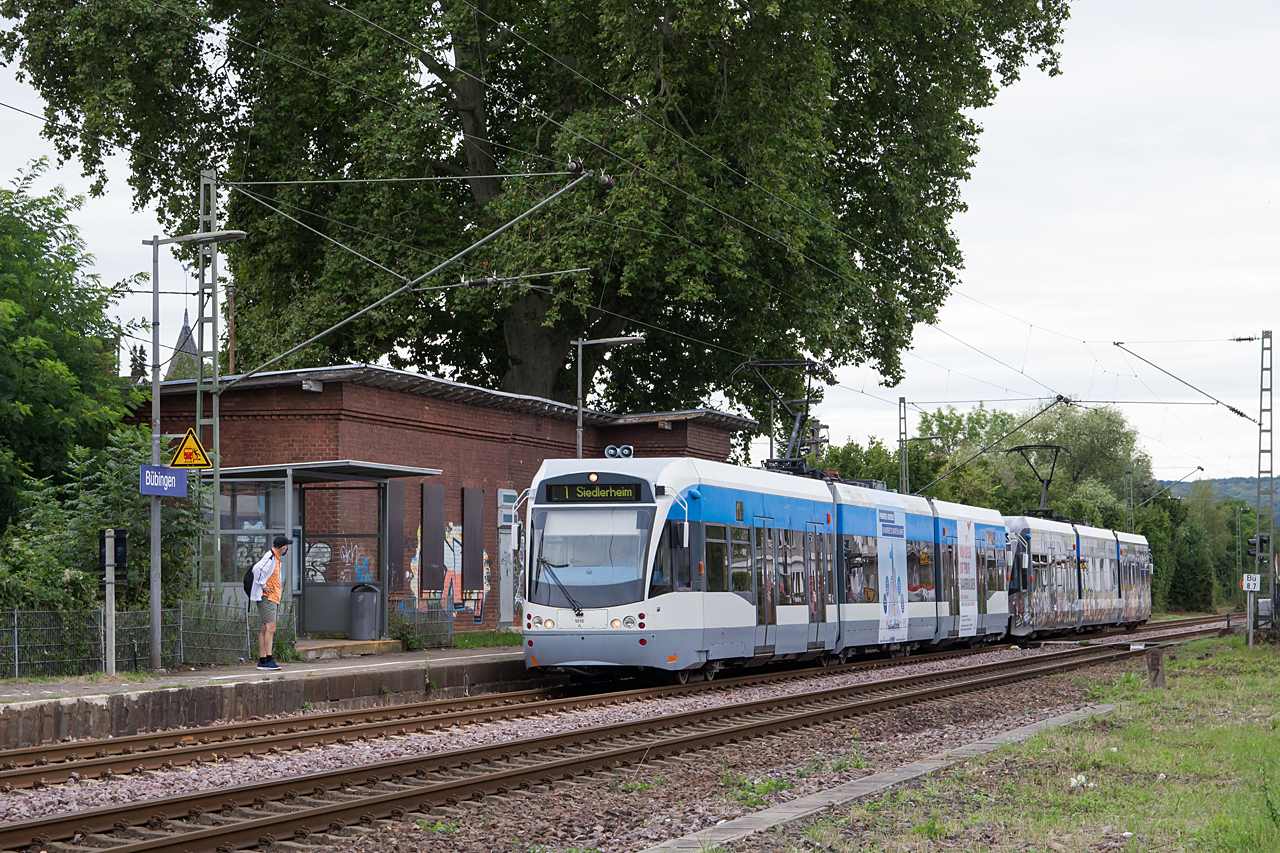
x=162 y=481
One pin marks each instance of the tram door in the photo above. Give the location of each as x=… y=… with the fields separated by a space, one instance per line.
x=765 y=554
x=820 y=587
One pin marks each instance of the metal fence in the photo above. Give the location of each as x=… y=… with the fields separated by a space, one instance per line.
x=36 y=643
x=420 y=623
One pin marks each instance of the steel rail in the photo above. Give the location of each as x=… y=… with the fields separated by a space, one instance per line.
x=241 y=801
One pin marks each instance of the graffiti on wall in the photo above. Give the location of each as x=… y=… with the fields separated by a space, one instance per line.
x=451 y=595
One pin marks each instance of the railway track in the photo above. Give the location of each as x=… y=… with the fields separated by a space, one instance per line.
x=55 y=763
x=314 y=808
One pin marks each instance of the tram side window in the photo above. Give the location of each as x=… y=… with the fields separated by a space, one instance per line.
x=791 y=567
x=920 y=574
x=717 y=558
x=682 y=558
x=861 y=569
x=672 y=569
x=740 y=562
x=1039 y=566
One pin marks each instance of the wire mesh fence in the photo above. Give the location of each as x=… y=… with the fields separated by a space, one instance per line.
x=133 y=639
x=214 y=633
x=66 y=643
x=420 y=623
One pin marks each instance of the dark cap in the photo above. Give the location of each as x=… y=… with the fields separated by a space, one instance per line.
x=281 y=541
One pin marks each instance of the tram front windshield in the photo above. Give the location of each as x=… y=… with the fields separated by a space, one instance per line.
x=588 y=557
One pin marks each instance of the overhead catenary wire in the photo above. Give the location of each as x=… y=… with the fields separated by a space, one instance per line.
x=1228 y=406
x=414 y=282
x=390 y=180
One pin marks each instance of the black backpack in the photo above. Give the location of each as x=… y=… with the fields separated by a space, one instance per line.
x=248 y=581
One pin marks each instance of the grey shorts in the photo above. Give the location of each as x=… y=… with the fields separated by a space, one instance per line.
x=267 y=611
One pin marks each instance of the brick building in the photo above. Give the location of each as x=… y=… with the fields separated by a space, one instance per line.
x=476 y=438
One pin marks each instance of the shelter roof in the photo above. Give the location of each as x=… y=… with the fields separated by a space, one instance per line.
x=327 y=472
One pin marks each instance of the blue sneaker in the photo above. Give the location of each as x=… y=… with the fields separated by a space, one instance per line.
x=268 y=664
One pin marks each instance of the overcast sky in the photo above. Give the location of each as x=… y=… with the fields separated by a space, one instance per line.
x=1132 y=198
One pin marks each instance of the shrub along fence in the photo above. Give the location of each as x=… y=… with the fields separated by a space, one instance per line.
x=420 y=623
x=60 y=643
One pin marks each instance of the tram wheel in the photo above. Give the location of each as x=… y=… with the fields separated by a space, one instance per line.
x=682 y=676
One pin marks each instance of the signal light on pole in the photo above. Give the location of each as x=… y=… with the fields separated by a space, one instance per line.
x=1258 y=546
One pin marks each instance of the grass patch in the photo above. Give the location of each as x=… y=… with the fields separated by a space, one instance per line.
x=1192 y=767
x=439 y=826
x=752 y=792
x=486 y=639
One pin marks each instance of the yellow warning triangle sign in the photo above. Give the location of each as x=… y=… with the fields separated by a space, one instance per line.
x=190 y=454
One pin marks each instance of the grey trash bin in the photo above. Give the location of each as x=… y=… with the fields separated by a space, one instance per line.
x=364 y=612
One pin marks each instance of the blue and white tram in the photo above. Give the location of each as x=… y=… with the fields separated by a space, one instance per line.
x=687 y=565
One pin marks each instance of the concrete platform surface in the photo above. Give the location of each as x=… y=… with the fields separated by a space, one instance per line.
x=83 y=686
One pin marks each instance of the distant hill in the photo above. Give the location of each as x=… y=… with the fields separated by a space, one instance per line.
x=1239 y=488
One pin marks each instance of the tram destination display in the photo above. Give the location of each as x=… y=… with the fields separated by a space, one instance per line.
x=587 y=493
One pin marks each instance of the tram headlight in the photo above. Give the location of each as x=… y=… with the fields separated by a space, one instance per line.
x=537 y=621
x=616 y=623
x=550 y=623
x=629 y=622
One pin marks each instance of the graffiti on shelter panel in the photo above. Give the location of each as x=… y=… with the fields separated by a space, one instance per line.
x=452 y=595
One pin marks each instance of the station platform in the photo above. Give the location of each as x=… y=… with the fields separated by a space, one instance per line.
x=39 y=711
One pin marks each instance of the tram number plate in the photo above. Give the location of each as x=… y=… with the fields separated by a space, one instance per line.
x=590 y=620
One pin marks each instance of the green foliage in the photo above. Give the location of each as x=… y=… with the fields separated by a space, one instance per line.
x=59 y=386
x=49 y=554
x=840 y=131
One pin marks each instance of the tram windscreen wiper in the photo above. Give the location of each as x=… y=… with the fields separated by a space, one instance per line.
x=550 y=567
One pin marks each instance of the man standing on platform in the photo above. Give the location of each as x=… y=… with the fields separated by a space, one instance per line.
x=266 y=592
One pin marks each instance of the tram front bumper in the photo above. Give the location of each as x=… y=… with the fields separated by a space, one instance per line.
x=672 y=650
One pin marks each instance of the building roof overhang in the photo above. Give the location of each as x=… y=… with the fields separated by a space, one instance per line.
x=375 y=376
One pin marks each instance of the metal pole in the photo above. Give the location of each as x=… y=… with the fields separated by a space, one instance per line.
x=579 y=343
x=155 y=459
x=1239 y=558
x=904 y=479
x=1249 y=615
x=110 y=615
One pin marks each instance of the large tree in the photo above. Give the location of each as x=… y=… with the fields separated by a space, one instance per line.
x=787 y=171
x=59 y=373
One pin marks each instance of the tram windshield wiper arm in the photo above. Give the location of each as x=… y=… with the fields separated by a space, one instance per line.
x=550 y=567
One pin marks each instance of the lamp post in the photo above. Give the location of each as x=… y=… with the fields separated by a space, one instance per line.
x=155 y=243
x=905 y=484
x=632 y=339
